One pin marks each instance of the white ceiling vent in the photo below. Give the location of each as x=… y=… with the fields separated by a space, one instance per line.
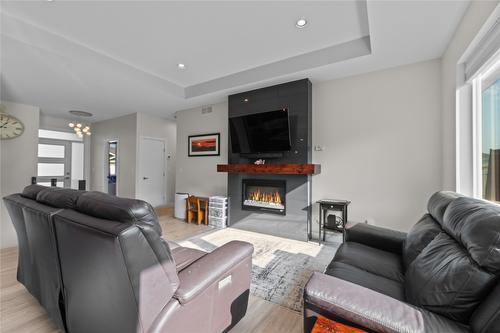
x=206 y=109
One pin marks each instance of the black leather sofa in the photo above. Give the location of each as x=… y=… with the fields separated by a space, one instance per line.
x=442 y=276
x=98 y=263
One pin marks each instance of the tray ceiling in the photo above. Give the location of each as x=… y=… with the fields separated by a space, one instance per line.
x=116 y=57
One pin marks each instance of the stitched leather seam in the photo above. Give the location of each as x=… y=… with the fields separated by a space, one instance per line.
x=112 y=204
x=156 y=255
x=62 y=288
x=130 y=281
x=69 y=220
x=440 y=267
x=460 y=290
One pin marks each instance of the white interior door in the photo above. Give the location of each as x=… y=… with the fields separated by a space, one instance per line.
x=152 y=171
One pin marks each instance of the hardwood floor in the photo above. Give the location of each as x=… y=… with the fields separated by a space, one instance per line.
x=21 y=313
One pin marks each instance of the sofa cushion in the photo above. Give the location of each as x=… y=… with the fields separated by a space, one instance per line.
x=185 y=256
x=475 y=224
x=420 y=235
x=438 y=202
x=366 y=279
x=31 y=191
x=351 y=303
x=109 y=207
x=370 y=259
x=59 y=197
x=444 y=279
x=376 y=237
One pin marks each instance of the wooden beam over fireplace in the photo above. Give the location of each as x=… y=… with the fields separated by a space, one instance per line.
x=289 y=169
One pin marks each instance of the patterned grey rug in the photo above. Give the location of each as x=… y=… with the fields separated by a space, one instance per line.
x=281 y=267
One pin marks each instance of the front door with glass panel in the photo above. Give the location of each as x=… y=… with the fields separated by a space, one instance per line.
x=54 y=162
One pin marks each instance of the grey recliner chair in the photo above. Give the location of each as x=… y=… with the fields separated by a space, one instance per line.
x=109 y=269
x=442 y=276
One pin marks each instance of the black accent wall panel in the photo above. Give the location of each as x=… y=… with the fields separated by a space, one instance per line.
x=296 y=97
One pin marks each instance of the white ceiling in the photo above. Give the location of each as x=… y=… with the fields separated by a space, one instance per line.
x=117 y=57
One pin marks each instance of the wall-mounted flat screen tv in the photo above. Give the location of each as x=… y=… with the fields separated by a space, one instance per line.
x=264 y=132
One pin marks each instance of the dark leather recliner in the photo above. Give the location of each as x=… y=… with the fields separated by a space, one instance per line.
x=98 y=263
x=38 y=266
x=442 y=276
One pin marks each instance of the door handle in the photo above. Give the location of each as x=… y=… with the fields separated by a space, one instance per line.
x=144 y=178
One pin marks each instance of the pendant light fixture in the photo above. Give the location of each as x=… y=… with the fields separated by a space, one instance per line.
x=81 y=128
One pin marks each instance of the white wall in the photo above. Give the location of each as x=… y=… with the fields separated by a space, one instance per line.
x=381 y=134
x=382 y=137
x=18 y=163
x=52 y=123
x=473 y=20
x=123 y=129
x=160 y=128
x=198 y=175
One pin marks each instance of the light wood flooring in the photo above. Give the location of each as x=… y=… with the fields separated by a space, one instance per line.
x=21 y=313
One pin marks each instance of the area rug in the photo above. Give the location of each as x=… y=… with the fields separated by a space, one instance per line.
x=281 y=267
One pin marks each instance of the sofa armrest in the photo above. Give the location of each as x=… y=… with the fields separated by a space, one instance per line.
x=211 y=268
x=380 y=238
x=361 y=306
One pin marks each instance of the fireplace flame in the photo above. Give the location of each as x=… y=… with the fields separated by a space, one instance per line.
x=269 y=197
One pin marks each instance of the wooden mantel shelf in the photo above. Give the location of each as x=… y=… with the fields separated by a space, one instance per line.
x=289 y=169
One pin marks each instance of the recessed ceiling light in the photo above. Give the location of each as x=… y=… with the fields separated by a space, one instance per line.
x=301 y=23
x=181 y=66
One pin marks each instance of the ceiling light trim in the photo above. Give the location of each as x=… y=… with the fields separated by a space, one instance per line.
x=326 y=56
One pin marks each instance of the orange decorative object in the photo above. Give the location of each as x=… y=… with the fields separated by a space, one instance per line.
x=325 y=325
x=290 y=169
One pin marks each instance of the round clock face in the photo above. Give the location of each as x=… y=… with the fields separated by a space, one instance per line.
x=10 y=127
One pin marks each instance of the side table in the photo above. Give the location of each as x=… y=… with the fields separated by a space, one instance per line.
x=326 y=205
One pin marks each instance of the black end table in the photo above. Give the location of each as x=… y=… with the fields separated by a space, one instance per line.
x=326 y=205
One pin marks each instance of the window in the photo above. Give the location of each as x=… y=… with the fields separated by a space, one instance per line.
x=477 y=117
x=47 y=134
x=112 y=152
x=487 y=109
x=60 y=157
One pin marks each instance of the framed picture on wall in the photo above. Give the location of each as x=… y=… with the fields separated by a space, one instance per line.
x=204 y=145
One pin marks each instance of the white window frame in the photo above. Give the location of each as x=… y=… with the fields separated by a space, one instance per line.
x=474 y=65
x=477 y=129
x=477 y=138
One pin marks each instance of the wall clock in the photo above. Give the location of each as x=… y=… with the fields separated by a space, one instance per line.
x=10 y=127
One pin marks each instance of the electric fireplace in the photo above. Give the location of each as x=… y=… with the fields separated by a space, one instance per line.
x=264 y=195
